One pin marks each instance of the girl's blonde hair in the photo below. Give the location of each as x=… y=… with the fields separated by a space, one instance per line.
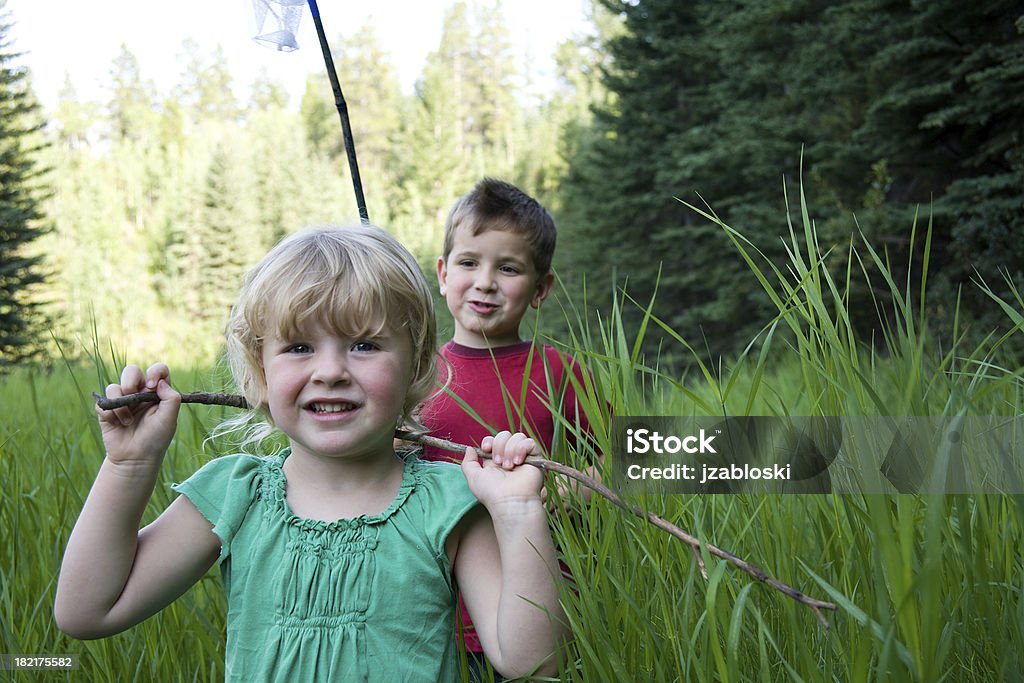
x=355 y=281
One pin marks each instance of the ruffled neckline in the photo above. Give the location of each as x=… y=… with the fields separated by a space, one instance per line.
x=273 y=483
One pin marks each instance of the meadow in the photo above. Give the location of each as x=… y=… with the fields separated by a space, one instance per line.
x=928 y=588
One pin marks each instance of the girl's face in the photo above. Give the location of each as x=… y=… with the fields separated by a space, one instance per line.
x=338 y=396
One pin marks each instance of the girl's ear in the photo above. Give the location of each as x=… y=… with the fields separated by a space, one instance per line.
x=442 y=275
x=544 y=286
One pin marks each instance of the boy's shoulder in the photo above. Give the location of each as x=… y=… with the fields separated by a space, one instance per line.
x=452 y=348
x=513 y=358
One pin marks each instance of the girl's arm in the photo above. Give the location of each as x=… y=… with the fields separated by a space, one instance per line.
x=506 y=565
x=114 y=575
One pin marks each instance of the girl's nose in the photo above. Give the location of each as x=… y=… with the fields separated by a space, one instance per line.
x=331 y=369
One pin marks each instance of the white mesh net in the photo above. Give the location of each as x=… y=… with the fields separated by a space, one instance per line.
x=277 y=22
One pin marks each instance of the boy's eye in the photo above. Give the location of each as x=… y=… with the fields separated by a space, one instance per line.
x=467 y=263
x=510 y=270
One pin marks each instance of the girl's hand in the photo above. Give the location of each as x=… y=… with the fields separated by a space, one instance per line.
x=502 y=478
x=143 y=432
x=506 y=564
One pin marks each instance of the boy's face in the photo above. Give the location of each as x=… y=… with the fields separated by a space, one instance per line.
x=489 y=281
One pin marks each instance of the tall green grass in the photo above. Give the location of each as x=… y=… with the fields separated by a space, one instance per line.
x=929 y=588
x=50 y=451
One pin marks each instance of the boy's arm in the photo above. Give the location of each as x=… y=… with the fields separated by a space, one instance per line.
x=568 y=488
x=581 y=378
x=114 y=575
x=506 y=564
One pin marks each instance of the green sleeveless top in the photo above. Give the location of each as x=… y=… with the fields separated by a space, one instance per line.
x=364 y=599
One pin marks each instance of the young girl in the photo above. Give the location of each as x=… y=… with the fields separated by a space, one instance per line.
x=339 y=558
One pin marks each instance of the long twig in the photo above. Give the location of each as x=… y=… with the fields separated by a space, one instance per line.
x=546 y=465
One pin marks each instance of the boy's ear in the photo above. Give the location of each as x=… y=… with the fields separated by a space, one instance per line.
x=544 y=286
x=442 y=275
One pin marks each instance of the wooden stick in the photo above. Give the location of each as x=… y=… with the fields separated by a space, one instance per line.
x=204 y=397
x=756 y=572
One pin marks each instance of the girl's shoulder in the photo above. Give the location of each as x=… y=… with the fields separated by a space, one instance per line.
x=235 y=468
x=441 y=495
x=437 y=477
x=227 y=485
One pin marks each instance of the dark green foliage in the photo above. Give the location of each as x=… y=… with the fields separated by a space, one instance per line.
x=21 y=216
x=619 y=216
x=893 y=106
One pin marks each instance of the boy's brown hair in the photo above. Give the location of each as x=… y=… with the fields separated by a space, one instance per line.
x=497 y=205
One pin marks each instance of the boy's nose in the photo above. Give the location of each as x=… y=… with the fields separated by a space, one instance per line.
x=484 y=280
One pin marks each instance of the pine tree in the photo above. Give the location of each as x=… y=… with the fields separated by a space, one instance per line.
x=949 y=124
x=265 y=93
x=205 y=86
x=21 y=214
x=131 y=105
x=463 y=122
x=225 y=238
x=493 y=72
x=620 y=210
x=437 y=150
x=898 y=106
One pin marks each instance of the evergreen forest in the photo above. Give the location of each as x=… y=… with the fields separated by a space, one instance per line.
x=131 y=218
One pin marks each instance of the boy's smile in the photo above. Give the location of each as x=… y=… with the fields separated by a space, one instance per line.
x=489 y=281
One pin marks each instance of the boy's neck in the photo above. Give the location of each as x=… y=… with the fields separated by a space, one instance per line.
x=494 y=350
x=476 y=341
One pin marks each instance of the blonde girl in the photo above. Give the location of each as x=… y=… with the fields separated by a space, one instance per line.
x=340 y=559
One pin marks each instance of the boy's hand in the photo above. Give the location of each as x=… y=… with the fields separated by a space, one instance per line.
x=143 y=432
x=502 y=479
x=562 y=501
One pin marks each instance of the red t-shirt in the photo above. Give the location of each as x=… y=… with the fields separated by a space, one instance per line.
x=490 y=382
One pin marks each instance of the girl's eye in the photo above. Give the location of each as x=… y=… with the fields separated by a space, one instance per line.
x=364 y=346
x=299 y=348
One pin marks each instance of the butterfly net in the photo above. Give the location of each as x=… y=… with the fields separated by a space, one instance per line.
x=277 y=23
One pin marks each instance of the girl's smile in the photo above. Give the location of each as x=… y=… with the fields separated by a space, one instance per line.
x=331 y=408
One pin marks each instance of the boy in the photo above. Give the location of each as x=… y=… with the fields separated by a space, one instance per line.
x=496 y=266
